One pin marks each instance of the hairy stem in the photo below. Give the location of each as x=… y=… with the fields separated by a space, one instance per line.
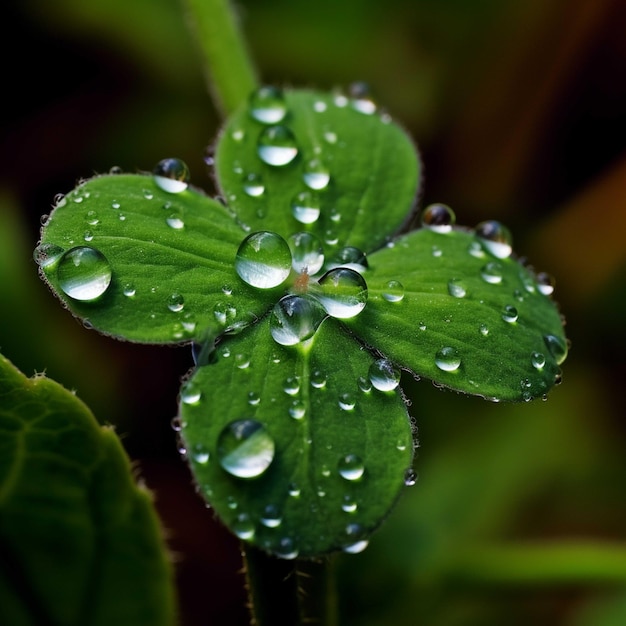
x=231 y=75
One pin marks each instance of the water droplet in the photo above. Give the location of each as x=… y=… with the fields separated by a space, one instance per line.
x=307 y=253
x=84 y=273
x=88 y=236
x=362 y=100
x=495 y=238
x=384 y=375
x=410 y=477
x=175 y=221
x=439 y=218
x=171 y=175
x=394 y=291
x=476 y=250
x=286 y=549
x=200 y=454
x=347 y=401
x=175 y=303
x=351 y=467
x=344 y=293
x=267 y=105
x=492 y=273
x=46 y=255
x=330 y=237
x=348 y=504
x=190 y=393
x=92 y=218
x=447 y=359
x=436 y=251
x=318 y=379
x=545 y=283
x=456 y=288
x=330 y=137
x=305 y=207
x=319 y=106
x=271 y=516
x=242 y=360
x=483 y=329
x=253 y=398
x=557 y=347
x=245 y=449
x=350 y=257
x=509 y=314
x=277 y=146
x=238 y=135
x=293 y=490
x=335 y=216
x=357 y=543
x=538 y=360
x=365 y=385
x=295 y=319
x=316 y=175
x=291 y=386
x=224 y=313
x=340 y=100
x=297 y=410
x=243 y=527
x=253 y=185
x=263 y=260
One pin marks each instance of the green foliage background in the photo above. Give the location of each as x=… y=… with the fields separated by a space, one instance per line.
x=519 y=109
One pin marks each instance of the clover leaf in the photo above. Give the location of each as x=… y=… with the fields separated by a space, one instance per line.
x=304 y=306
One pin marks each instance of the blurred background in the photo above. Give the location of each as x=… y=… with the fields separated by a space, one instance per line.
x=519 y=111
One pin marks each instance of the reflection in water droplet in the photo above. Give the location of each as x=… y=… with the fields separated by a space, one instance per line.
x=447 y=359
x=557 y=347
x=263 y=260
x=348 y=504
x=351 y=467
x=307 y=253
x=245 y=448
x=297 y=410
x=318 y=379
x=492 y=273
x=495 y=238
x=384 y=375
x=253 y=398
x=92 y=218
x=175 y=303
x=410 y=477
x=224 y=313
x=46 y=255
x=356 y=536
x=84 y=273
x=350 y=257
x=538 y=360
x=347 y=401
x=456 y=288
x=315 y=175
x=88 y=236
x=171 y=175
x=291 y=386
x=253 y=185
x=267 y=105
x=509 y=314
x=394 y=291
x=277 y=146
x=439 y=218
x=305 y=207
x=295 y=319
x=344 y=293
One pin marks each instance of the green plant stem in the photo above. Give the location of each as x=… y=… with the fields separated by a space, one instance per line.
x=231 y=75
x=562 y=563
x=294 y=592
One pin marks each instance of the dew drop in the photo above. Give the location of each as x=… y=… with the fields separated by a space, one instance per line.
x=319 y=106
x=538 y=360
x=318 y=379
x=356 y=534
x=315 y=175
x=436 y=251
x=253 y=398
x=286 y=549
x=245 y=448
x=271 y=516
x=344 y=293
x=447 y=359
x=277 y=146
x=492 y=273
x=171 y=175
x=297 y=410
x=557 y=348
x=330 y=137
x=242 y=360
x=291 y=386
x=46 y=255
x=92 y=218
x=347 y=401
x=362 y=100
x=545 y=283
x=365 y=384
x=495 y=238
x=410 y=477
x=293 y=490
x=84 y=273
x=350 y=257
x=295 y=319
x=438 y=217
x=175 y=303
x=384 y=375
x=253 y=185
x=307 y=253
x=243 y=527
x=351 y=467
x=305 y=207
x=509 y=314
x=263 y=260
x=175 y=221
x=456 y=288
x=200 y=454
x=476 y=250
x=348 y=504
x=394 y=291
x=267 y=105
x=190 y=394
x=483 y=329
x=88 y=236
x=224 y=313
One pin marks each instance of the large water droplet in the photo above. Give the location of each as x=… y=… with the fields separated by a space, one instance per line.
x=447 y=359
x=305 y=207
x=495 y=238
x=438 y=217
x=307 y=253
x=263 y=260
x=557 y=347
x=394 y=291
x=84 y=273
x=384 y=375
x=315 y=175
x=277 y=146
x=245 y=449
x=295 y=319
x=350 y=257
x=351 y=467
x=344 y=293
x=253 y=185
x=267 y=105
x=46 y=255
x=171 y=175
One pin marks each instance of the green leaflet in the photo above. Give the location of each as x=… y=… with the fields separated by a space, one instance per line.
x=268 y=449
x=79 y=542
x=169 y=258
x=352 y=180
x=501 y=337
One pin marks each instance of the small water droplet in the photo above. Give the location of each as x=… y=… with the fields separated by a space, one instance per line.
x=361 y=96
x=447 y=359
x=224 y=313
x=190 y=393
x=483 y=329
x=384 y=375
x=436 y=251
x=291 y=386
x=271 y=516
x=350 y=257
x=307 y=253
x=394 y=291
x=175 y=303
x=318 y=379
x=538 y=360
x=410 y=477
x=253 y=185
x=510 y=314
x=365 y=385
x=438 y=217
x=84 y=273
x=277 y=146
x=297 y=410
x=176 y=424
x=347 y=401
x=295 y=319
x=88 y=236
x=495 y=238
x=330 y=237
x=545 y=283
x=242 y=360
x=456 y=288
x=245 y=449
x=492 y=273
x=330 y=137
x=263 y=260
x=356 y=535
x=557 y=347
x=293 y=490
x=286 y=549
x=476 y=250
x=200 y=454
x=316 y=176
x=147 y=194
x=267 y=105
x=171 y=175
x=343 y=294
x=243 y=527
x=351 y=467
x=348 y=504
x=305 y=207
x=92 y=218
x=319 y=106
x=46 y=255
